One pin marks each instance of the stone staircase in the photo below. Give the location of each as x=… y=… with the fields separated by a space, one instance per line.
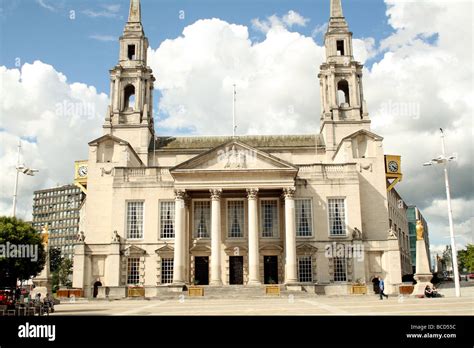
x=235 y=292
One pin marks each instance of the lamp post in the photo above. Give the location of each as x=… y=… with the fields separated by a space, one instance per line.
x=442 y=159
x=20 y=168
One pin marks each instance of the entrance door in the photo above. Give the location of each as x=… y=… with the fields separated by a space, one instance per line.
x=201 y=270
x=236 y=270
x=270 y=269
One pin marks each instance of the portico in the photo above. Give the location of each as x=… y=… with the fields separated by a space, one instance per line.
x=254 y=211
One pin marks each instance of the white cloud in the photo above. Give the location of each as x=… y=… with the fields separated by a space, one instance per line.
x=276 y=87
x=274 y=22
x=104 y=38
x=107 y=11
x=38 y=102
x=43 y=4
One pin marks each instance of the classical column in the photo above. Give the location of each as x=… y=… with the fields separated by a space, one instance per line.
x=216 y=237
x=254 y=255
x=291 y=275
x=179 y=238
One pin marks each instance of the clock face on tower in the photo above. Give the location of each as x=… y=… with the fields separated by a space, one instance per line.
x=393 y=166
x=82 y=171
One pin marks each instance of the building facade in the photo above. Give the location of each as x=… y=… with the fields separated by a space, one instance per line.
x=306 y=211
x=58 y=209
x=398 y=223
x=414 y=214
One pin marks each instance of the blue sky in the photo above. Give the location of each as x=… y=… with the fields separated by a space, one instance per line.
x=42 y=29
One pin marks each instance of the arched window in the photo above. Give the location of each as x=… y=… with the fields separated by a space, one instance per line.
x=129 y=94
x=343 y=92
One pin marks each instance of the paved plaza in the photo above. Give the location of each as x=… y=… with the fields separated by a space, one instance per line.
x=284 y=305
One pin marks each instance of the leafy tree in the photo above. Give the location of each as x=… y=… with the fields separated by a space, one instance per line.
x=466 y=258
x=64 y=271
x=13 y=233
x=55 y=259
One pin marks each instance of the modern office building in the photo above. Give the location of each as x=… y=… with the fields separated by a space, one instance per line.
x=58 y=209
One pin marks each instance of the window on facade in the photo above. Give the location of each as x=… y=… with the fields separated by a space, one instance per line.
x=131 y=52
x=305 y=269
x=202 y=219
x=235 y=219
x=340 y=269
x=340 y=47
x=133 y=270
x=304 y=220
x=337 y=217
x=166 y=219
x=167 y=271
x=269 y=217
x=135 y=220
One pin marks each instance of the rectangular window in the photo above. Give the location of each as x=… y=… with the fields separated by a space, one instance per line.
x=134 y=220
x=131 y=52
x=305 y=269
x=133 y=270
x=340 y=269
x=167 y=271
x=337 y=217
x=235 y=219
x=202 y=219
x=340 y=47
x=269 y=217
x=166 y=219
x=304 y=218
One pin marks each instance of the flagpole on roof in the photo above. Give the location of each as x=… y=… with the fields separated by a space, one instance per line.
x=234 y=126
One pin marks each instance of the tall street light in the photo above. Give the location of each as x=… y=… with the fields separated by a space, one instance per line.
x=20 y=168
x=442 y=159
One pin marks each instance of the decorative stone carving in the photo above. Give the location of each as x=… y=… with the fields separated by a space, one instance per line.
x=252 y=193
x=392 y=234
x=289 y=192
x=356 y=234
x=180 y=194
x=80 y=237
x=115 y=237
x=215 y=194
x=235 y=159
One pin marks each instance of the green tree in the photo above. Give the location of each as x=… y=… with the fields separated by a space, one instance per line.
x=466 y=258
x=55 y=259
x=64 y=271
x=16 y=233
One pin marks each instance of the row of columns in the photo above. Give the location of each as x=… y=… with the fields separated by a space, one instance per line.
x=253 y=237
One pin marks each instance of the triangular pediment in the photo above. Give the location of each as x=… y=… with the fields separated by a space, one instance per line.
x=106 y=138
x=306 y=248
x=363 y=132
x=133 y=250
x=164 y=249
x=233 y=156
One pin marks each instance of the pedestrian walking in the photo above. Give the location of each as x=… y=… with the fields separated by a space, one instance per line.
x=382 y=288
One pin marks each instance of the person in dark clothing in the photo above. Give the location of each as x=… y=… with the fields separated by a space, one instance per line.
x=382 y=287
x=375 y=282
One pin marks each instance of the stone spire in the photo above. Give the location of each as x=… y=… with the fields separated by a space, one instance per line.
x=135 y=15
x=337 y=22
x=336 y=8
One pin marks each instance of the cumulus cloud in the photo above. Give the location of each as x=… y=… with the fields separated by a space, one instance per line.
x=58 y=119
x=276 y=87
x=290 y=19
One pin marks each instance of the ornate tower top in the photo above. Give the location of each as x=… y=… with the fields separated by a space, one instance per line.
x=343 y=110
x=129 y=116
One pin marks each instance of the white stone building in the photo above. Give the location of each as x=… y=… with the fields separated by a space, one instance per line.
x=246 y=210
